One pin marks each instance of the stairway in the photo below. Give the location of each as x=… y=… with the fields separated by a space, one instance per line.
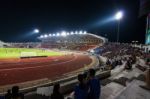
x=125 y=85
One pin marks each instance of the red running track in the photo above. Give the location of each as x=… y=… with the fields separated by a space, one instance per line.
x=33 y=69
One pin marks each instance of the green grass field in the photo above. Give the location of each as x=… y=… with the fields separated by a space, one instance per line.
x=16 y=52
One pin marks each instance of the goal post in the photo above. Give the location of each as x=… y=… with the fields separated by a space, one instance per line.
x=28 y=54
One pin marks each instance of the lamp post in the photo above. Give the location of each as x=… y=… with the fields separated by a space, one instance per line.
x=118 y=17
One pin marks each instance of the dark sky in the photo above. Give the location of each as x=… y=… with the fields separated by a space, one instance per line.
x=19 y=18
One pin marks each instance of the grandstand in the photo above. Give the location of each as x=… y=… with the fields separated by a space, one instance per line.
x=25 y=45
x=78 y=41
x=81 y=41
x=2 y=44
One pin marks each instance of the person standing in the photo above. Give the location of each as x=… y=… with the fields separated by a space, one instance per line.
x=94 y=85
x=56 y=92
x=81 y=90
x=16 y=94
x=8 y=94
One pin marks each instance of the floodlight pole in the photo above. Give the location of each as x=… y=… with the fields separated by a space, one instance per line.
x=118 y=31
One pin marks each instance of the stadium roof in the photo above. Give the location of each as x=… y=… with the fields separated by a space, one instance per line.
x=65 y=34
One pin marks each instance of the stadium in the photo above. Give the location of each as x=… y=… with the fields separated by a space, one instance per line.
x=56 y=57
x=46 y=52
x=59 y=58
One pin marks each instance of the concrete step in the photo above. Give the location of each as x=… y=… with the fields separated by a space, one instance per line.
x=111 y=90
x=133 y=91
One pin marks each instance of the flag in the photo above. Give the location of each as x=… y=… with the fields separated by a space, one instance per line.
x=147 y=40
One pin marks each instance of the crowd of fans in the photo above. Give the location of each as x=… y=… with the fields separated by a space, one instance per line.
x=68 y=46
x=89 y=86
x=117 y=53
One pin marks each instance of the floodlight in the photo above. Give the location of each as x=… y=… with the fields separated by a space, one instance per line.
x=76 y=32
x=67 y=33
x=63 y=33
x=84 y=32
x=58 y=34
x=119 y=15
x=45 y=35
x=50 y=34
x=41 y=36
x=71 y=33
x=36 y=31
x=54 y=34
x=80 y=32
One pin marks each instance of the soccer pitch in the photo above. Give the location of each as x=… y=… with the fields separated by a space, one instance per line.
x=16 y=52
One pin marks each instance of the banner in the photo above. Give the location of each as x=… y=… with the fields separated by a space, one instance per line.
x=148 y=30
x=144 y=7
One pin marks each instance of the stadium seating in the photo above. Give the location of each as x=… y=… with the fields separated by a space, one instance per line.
x=25 y=45
x=72 y=42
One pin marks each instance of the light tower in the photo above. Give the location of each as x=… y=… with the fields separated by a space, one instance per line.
x=118 y=17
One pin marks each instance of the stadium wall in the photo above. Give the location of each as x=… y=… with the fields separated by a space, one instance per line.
x=3 y=44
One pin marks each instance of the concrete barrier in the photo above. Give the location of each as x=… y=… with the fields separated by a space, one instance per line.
x=67 y=87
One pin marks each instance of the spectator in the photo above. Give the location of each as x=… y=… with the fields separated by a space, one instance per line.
x=81 y=90
x=56 y=92
x=94 y=85
x=108 y=62
x=16 y=94
x=8 y=94
x=128 y=65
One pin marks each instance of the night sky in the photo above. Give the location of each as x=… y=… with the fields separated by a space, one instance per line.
x=19 y=18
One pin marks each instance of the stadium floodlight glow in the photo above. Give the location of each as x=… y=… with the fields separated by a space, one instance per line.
x=36 y=31
x=71 y=33
x=41 y=36
x=80 y=32
x=57 y=34
x=68 y=33
x=84 y=32
x=50 y=34
x=76 y=32
x=63 y=33
x=119 y=15
x=54 y=34
x=45 y=35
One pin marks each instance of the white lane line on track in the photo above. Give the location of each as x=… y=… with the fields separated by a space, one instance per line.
x=39 y=66
x=28 y=63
